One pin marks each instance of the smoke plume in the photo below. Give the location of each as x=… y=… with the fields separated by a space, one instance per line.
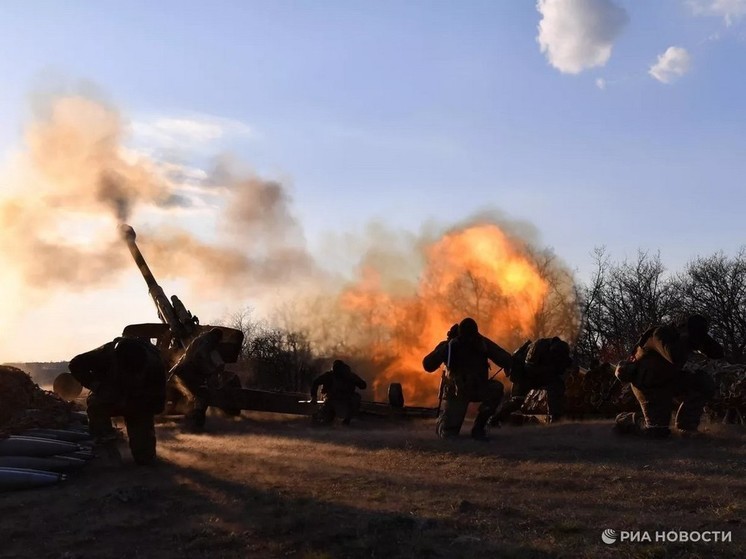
x=405 y=297
x=75 y=180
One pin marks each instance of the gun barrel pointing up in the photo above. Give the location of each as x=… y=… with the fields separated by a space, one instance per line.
x=129 y=236
x=166 y=311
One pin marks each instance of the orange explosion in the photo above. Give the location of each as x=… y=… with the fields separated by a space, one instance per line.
x=478 y=271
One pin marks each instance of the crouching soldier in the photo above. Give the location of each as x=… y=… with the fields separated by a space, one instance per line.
x=200 y=365
x=466 y=357
x=126 y=378
x=338 y=387
x=539 y=365
x=656 y=373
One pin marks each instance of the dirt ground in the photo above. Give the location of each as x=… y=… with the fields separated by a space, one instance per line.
x=273 y=486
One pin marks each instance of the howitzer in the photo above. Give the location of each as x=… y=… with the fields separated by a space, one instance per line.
x=196 y=363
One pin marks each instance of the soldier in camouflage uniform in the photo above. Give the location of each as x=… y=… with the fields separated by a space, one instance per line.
x=466 y=359
x=538 y=365
x=658 y=378
x=127 y=378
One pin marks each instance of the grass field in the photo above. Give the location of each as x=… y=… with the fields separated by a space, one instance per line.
x=273 y=486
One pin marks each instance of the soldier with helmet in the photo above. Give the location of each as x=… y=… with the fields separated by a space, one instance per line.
x=126 y=377
x=340 y=398
x=658 y=378
x=466 y=356
x=538 y=365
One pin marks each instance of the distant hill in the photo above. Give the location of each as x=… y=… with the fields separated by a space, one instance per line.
x=43 y=374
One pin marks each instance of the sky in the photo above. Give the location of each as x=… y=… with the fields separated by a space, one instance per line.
x=603 y=123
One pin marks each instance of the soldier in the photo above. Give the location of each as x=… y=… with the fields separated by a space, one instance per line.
x=126 y=378
x=338 y=386
x=466 y=359
x=538 y=365
x=657 y=376
x=200 y=365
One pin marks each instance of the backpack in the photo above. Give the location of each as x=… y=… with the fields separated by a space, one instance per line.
x=467 y=366
x=552 y=353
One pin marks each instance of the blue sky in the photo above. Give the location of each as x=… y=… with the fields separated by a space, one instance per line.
x=411 y=111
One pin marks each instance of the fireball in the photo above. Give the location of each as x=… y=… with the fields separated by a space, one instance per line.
x=477 y=271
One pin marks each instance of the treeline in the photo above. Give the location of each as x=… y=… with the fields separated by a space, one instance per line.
x=623 y=298
x=274 y=358
x=601 y=318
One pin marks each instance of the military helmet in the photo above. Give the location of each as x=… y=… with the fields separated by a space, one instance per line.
x=340 y=366
x=468 y=327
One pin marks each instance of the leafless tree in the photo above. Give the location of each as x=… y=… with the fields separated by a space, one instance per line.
x=271 y=357
x=715 y=286
x=559 y=313
x=278 y=359
x=242 y=320
x=589 y=340
x=621 y=301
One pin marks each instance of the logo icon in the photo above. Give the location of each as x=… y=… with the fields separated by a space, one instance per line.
x=609 y=536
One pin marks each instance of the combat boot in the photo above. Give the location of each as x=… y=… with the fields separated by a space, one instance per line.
x=107 y=448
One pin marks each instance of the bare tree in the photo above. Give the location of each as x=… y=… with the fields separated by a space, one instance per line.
x=270 y=357
x=623 y=300
x=589 y=340
x=559 y=314
x=242 y=320
x=715 y=286
x=278 y=359
x=470 y=295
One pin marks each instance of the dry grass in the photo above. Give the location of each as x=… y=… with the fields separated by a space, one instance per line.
x=271 y=486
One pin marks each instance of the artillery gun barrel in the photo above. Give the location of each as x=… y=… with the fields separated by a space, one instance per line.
x=129 y=236
x=166 y=311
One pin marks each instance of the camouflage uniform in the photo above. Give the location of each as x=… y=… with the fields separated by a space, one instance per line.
x=126 y=378
x=539 y=365
x=341 y=400
x=658 y=379
x=467 y=378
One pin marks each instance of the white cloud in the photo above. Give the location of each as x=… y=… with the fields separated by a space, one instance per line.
x=672 y=64
x=190 y=132
x=578 y=34
x=601 y=83
x=176 y=149
x=729 y=10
